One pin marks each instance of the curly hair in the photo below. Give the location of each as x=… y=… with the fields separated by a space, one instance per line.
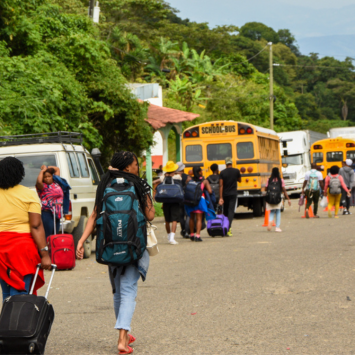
x=334 y=170
x=11 y=172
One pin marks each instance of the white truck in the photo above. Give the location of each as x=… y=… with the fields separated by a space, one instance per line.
x=344 y=132
x=296 y=161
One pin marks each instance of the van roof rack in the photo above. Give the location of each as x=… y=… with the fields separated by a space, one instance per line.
x=38 y=138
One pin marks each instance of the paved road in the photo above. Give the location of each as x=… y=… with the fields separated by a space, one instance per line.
x=257 y=292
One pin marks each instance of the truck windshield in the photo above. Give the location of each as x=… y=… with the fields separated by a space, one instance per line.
x=293 y=159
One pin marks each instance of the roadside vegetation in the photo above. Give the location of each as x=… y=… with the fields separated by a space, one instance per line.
x=59 y=71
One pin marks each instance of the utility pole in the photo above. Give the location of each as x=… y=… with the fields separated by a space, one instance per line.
x=271 y=87
x=91 y=8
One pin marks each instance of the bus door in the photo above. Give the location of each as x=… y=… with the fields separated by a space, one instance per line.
x=216 y=153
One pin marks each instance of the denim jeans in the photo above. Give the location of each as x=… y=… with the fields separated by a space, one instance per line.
x=8 y=290
x=124 y=299
x=48 y=224
x=278 y=217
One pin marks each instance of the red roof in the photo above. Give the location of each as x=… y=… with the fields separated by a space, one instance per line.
x=159 y=117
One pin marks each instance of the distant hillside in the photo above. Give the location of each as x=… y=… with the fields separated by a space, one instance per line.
x=335 y=46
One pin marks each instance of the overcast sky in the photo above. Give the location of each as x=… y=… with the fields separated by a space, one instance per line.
x=305 y=18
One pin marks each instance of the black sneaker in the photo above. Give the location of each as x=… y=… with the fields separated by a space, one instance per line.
x=186 y=236
x=183 y=233
x=199 y=239
x=192 y=238
x=345 y=212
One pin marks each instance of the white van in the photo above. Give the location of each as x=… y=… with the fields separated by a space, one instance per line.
x=77 y=166
x=296 y=160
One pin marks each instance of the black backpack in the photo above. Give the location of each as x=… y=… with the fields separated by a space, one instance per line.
x=193 y=193
x=273 y=192
x=214 y=182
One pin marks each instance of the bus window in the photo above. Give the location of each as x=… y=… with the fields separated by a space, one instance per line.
x=334 y=156
x=317 y=157
x=245 y=150
x=350 y=155
x=193 y=153
x=219 y=151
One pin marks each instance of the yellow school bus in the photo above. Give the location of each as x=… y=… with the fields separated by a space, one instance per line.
x=254 y=151
x=332 y=151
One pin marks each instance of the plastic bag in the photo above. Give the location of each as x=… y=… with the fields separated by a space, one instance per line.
x=324 y=202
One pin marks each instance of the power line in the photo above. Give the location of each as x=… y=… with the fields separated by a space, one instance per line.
x=247 y=60
x=308 y=66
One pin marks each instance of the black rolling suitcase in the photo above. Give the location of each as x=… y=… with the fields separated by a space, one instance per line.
x=26 y=321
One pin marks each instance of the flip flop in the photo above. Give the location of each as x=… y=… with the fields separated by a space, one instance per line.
x=131 y=340
x=130 y=351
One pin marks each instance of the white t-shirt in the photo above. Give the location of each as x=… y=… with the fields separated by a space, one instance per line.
x=308 y=174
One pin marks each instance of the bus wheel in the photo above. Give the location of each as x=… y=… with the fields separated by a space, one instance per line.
x=257 y=207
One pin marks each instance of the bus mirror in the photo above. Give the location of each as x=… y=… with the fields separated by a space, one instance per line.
x=284 y=165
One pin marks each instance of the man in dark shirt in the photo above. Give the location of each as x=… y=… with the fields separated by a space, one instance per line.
x=228 y=191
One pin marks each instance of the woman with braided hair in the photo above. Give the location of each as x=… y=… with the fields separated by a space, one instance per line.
x=124 y=165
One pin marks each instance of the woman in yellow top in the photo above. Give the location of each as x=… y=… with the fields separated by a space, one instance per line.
x=22 y=239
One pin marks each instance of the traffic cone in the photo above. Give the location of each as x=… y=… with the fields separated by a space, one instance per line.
x=326 y=209
x=310 y=212
x=266 y=219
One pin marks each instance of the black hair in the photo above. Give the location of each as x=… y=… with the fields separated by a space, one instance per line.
x=120 y=161
x=214 y=167
x=50 y=171
x=275 y=174
x=196 y=173
x=11 y=172
x=334 y=170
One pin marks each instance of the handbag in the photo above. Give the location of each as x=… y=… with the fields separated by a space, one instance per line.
x=152 y=241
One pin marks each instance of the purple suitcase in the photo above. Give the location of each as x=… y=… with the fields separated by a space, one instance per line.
x=218 y=227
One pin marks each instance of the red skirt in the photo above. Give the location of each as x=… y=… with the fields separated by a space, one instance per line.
x=19 y=257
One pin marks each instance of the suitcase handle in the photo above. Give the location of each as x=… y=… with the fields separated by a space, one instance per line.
x=54 y=219
x=54 y=268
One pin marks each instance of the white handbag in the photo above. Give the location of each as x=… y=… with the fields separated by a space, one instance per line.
x=152 y=241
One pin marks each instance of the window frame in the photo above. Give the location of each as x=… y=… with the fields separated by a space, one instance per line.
x=86 y=165
x=93 y=168
x=193 y=145
x=228 y=155
x=335 y=161
x=243 y=143
x=70 y=164
x=319 y=161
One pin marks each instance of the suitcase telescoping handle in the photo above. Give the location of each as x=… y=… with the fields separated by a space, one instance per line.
x=54 y=220
x=54 y=268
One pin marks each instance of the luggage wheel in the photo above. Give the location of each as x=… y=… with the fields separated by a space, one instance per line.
x=31 y=348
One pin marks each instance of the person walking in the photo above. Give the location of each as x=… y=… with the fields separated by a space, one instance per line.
x=197 y=213
x=228 y=180
x=347 y=173
x=313 y=179
x=274 y=187
x=22 y=241
x=171 y=210
x=214 y=182
x=335 y=182
x=184 y=179
x=51 y=196
x=124 y=280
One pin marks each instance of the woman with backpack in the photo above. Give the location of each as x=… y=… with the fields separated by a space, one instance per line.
x=335 y=182
x=124 y=279
x=201 y=208
x=274 y=187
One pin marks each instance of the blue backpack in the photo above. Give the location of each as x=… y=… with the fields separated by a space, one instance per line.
x=121 y=228
x=193 y=193
x=169 y=193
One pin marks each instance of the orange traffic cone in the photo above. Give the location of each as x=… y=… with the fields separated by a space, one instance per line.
x=266 y=219
x=310 y=212
x=326 y=209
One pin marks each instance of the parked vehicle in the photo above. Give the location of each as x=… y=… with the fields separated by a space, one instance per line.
x=254 y=151
x=344 y=132
x=296 y=160
x=64 y=150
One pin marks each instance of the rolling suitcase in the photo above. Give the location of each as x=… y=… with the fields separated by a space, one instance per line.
x=26 y=321
x=61 y=248
x=218 y=226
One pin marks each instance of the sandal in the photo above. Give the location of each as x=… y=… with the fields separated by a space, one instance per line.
x=129 y=351
x=131 y=340
x=315 y=216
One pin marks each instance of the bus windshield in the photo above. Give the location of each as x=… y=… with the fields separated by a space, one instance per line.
x=334 y=156
x=296 y=159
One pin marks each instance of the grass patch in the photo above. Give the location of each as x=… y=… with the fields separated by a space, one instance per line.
x=158 y=209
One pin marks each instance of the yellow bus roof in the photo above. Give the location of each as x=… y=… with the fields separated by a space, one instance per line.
x=256 y=128
x=333 y=140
